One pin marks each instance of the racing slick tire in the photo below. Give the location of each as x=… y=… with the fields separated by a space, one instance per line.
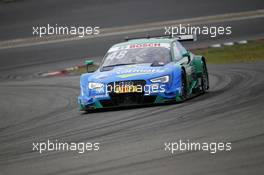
x=204 y=79
x=184 y=90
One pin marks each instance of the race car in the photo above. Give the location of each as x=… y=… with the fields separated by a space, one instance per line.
x=145 y=70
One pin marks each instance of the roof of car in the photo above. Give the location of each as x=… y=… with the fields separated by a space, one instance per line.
x=145 y=40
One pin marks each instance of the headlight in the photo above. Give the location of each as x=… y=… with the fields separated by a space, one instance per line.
x=92 y=85
x=163 y=79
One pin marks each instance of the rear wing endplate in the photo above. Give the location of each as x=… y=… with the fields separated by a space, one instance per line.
x=192 y=37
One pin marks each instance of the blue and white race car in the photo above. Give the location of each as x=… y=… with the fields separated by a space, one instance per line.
x=147 y=70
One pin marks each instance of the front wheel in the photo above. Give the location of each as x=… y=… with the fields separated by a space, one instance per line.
x=184 y=92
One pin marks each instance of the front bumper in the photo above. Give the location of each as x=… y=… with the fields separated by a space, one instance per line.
x=153 y=93
x=127 y=99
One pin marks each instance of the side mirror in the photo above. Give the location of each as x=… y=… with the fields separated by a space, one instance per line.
x=87 y=63
x=186 y=58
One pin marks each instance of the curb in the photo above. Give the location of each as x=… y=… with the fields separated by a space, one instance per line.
x=53 y=74
x=62 y=72
x=218 y=45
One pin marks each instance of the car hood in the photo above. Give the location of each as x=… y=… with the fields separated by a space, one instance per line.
x=131 y=72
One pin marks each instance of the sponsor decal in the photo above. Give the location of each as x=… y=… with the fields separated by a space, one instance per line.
x=133 y=46
x=100 y=76
x=136 y=46
x=101 y=96
x=131 y=71
x=130 y=75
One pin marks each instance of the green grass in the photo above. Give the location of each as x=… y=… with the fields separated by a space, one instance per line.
x=251 y=52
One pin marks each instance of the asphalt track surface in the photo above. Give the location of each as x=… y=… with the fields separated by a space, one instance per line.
x=131 y=140
x=17 y=19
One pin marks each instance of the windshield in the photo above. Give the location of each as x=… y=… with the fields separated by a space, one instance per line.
x=137 y=56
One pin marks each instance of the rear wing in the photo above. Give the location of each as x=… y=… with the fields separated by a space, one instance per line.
x=191 y=37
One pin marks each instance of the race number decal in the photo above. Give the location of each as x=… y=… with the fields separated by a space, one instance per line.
x=117 y=55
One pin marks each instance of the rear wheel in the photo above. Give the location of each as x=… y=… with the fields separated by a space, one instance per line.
x=204 y=80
